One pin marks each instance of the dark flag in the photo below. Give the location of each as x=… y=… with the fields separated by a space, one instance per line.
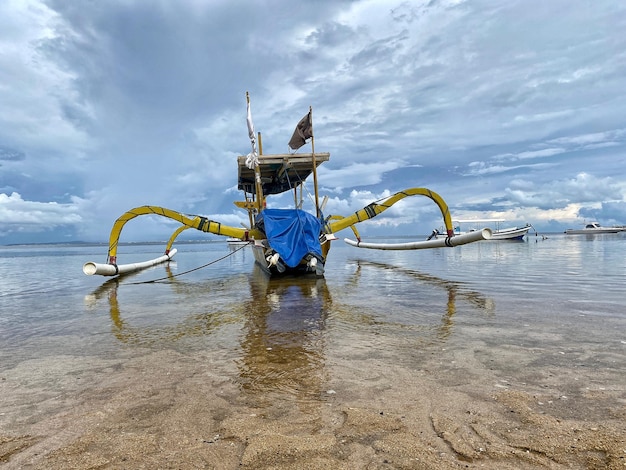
x=303 y=131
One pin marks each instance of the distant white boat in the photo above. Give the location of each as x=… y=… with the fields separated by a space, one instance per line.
x=592 y=228
x=236 y=241
x=497 y=233
x=512 y=233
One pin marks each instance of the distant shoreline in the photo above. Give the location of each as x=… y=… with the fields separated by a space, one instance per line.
x=82 y=243
x=213 y=240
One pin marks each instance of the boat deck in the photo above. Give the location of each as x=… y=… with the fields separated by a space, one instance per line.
x=279 y=172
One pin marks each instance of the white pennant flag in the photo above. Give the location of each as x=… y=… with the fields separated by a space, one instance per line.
x=252 y=157
x=251 y=128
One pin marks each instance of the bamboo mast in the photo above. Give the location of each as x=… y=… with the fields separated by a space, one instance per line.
x=257 y=174
x=317 y=202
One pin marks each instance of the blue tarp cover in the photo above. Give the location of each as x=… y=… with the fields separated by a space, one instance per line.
x=292 y=233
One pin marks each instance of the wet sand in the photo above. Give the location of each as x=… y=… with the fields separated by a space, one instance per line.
x=468 y=407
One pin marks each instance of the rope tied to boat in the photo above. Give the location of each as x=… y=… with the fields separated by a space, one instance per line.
x=191 y=270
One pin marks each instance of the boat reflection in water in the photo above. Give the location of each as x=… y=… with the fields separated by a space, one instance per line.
x=195 y=319
x=283 y=344
x=280 y=345
x=420 y=319
x=273 y=342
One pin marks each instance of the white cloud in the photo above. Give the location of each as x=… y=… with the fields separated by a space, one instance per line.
x=539 y=153
x=595 y=138
x=18 y=215
x=485 y=168
x=356 y=174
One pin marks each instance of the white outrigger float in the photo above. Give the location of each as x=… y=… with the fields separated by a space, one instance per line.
x=283 y=240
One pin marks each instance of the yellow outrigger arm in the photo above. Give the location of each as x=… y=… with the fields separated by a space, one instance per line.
x=373 y=209
x=198 y=222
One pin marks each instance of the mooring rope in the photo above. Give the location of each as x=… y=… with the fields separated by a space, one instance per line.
x=190 y=270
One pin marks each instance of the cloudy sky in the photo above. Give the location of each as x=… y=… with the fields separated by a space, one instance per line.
x=513 y=110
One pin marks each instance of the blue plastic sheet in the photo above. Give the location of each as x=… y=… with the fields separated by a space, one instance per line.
x=292 y=233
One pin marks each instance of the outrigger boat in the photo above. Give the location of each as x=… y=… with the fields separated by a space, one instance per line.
x=497 y=233
x=283 y=240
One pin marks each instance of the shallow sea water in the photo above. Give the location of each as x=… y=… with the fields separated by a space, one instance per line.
x=565 y=284
x=553 y=305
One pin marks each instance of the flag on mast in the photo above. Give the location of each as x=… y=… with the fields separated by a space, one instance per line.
x=252 y=157
x=251 y=127
x=304 y=130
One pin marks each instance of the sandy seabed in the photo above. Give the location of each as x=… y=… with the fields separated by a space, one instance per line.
x=462 y=408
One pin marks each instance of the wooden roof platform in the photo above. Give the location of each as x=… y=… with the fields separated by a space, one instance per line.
x=279 y=172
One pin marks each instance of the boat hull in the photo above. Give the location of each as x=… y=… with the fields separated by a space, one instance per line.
x=592 y=231
x=593 y=228
x=260 y=250
x=497 y=233
x=517 y=233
